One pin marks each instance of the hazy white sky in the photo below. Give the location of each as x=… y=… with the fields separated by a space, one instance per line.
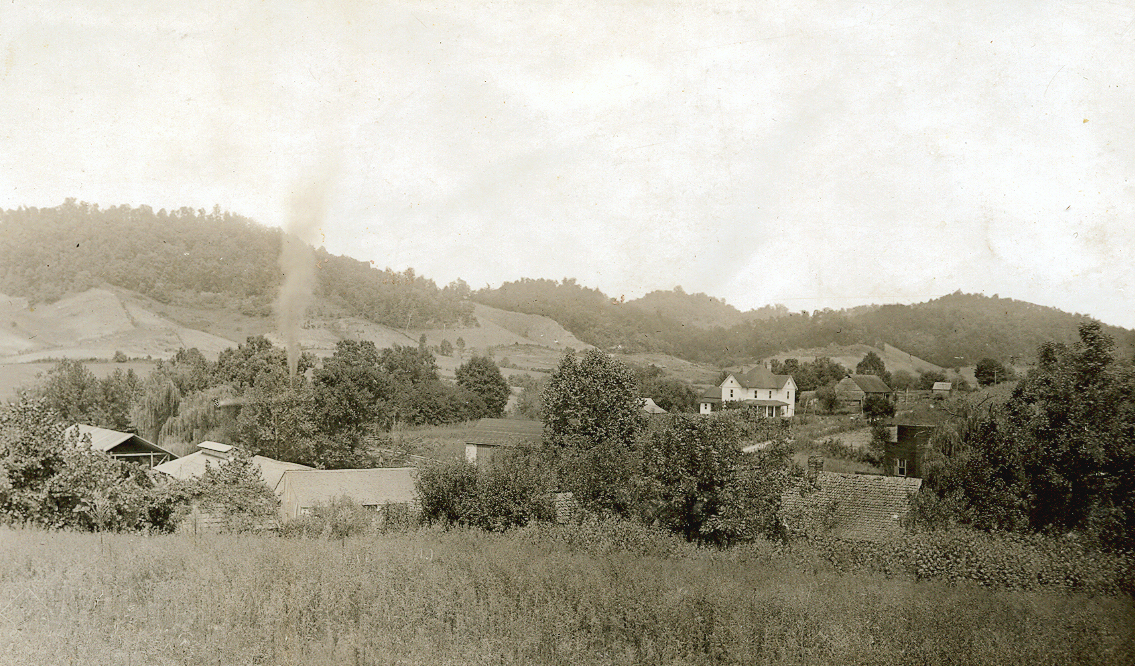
x=813 y=154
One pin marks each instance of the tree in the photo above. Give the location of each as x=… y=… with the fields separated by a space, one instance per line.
x=876 y=407
x=73 y=391
x=481 y=376
x=927 y=379
x=827 y=398
x=31 y=453
x=989 y=371
x=591 y=400
x=352 y=391
x=871 y=365
x=700 y=484
x=236 y=490
x=445 y=348
x=669 y=393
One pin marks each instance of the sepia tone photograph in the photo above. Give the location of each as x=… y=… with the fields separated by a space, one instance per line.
x=660 y=332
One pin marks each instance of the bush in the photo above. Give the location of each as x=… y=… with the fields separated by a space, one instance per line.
x=512 y=492
x=338 y=519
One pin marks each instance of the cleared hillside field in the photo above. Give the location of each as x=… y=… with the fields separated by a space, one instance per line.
x=463 y=597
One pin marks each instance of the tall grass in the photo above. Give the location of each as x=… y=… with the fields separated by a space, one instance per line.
x=463 y=597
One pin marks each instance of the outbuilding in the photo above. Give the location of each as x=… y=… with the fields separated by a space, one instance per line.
x=125 y=446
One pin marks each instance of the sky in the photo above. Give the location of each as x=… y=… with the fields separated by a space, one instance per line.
x=814 y=154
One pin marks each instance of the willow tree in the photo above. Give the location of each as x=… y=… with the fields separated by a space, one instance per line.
x=159 y=403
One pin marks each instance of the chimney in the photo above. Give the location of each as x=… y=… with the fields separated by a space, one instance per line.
x=815 y=466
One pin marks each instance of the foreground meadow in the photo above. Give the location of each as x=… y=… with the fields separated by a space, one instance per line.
x=525 y=597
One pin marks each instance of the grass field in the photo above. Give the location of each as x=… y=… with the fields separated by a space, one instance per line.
x=461 y=597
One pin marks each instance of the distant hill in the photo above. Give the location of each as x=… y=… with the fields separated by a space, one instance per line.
x=849 y=356
x=952 y=331
x=699 y=309
x=167 y=278
x=198 y=258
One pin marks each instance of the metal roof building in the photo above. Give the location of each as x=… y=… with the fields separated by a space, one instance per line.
x=124 y=446
x=302 y=490
x=214 y=453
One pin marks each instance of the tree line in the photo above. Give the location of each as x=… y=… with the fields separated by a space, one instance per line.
x=954 y=330
x=326 y=416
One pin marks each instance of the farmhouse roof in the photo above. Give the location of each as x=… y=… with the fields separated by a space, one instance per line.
x=194 y=464
x=942 y=386
x=107 y=441
x=859 y=507
x=307 y=487
x=871 y=384
x=761 y=377
x=712 y=394
x=506 y=432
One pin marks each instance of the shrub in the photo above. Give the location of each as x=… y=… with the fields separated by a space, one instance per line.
x=338 y=519
x=999 y=560
x=512 y=492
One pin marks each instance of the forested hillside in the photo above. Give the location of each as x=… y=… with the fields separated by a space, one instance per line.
x=198 y=257
x=954 y=330
x=218 y=259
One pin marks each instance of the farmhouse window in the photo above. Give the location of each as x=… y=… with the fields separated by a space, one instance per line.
x=730 y=393
x=900 y=467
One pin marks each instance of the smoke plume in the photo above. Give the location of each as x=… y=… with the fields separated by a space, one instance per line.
x=298 y=264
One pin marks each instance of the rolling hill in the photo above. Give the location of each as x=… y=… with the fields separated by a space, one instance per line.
x=87 y=282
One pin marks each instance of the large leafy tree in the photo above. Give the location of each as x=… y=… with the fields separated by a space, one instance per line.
x=871 y=365
x=1059 y=455
x=73 y=391
x=591 y=400
x=990 y=371
x=481 y=376
x=352 y=390
x=700 y=484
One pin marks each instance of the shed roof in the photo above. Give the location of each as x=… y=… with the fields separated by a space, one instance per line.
x=507 y=432
x=871 y=384
x=308 y=487
x=712 y=394
x=942 y=386
x=194 y=464
x=761 y=377
x=106 y=440
x=862 y=507
x=651 y=407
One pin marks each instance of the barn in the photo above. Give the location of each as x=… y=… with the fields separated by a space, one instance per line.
x=215 y=453
x=388 y=490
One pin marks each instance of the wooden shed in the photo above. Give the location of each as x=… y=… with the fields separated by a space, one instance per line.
x=125 y=446
x=856 y=388
x=490 y=436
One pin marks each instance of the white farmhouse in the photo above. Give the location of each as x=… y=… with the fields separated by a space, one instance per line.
x=776 y=394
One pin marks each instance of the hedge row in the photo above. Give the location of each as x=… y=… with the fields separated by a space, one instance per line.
x=998 y=560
